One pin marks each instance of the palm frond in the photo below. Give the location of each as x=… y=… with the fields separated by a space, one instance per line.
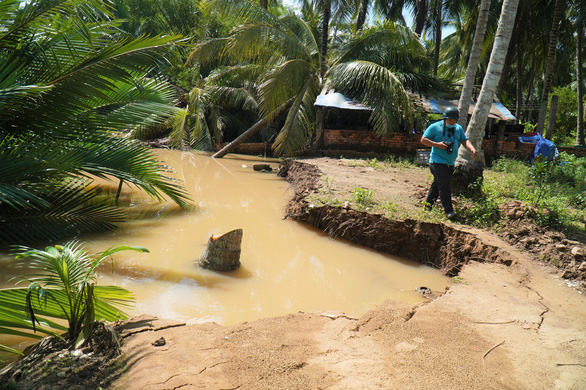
x=284 y=82
x=71 y=210
x=378 y=88
x=293 y=136
x=244 y=10
x=61 y=287
x=387 y=44
x=29 y=16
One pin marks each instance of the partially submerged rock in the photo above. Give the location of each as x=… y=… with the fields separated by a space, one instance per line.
x=262 y=167
x=222 y=253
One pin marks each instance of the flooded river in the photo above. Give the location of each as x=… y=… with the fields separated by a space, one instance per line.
x=286 y=266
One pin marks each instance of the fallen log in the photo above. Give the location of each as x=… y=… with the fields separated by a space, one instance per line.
x=222 y=253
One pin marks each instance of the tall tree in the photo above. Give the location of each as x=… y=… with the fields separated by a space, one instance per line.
x=363 y=7
x=467 y=170
x=288 y=49
x=325 y=31
x=550 y=63
x=437 y=33
x=473 y=62
x=579 y=74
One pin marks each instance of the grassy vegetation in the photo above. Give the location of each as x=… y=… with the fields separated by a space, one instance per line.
x=554 y=191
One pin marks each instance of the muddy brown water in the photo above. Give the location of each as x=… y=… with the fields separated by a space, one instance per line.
x=286 y=266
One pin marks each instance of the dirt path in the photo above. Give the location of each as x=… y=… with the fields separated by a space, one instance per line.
x=508 y=322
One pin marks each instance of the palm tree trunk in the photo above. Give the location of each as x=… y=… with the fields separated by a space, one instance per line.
x=264 y=4
x=506 y=67
x=420 y=16
x=468 y=170
x=324 y=34
x=437 y=35
x=552 y=113
x=553 y=40
x=362 y=12
x=580 y=81
x=528 y=98
x=473 y=62
x=519 y=92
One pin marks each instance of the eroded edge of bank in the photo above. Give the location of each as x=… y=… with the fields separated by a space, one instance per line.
x=442 y=246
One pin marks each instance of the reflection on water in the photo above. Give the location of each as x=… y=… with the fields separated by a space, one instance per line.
x=286 y=266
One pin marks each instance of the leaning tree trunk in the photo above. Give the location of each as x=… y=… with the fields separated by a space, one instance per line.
x=469 y=171
x=580 y=81
x=251 y=131
x=548 y=76
x=473 y=62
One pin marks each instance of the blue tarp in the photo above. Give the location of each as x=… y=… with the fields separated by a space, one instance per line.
x=543 y=147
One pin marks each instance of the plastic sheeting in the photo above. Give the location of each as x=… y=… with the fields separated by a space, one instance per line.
x=543 y=147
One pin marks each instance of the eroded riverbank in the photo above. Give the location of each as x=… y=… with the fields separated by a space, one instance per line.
x=498 y=326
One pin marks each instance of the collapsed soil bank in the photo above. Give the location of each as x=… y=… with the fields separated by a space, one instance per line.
x=442 y=246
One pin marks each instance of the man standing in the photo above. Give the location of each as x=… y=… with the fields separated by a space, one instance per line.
x=444 y=137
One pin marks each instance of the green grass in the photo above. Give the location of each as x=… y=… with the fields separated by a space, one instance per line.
x=556 y=191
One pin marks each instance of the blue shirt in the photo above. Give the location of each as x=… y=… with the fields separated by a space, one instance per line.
x=454 y=134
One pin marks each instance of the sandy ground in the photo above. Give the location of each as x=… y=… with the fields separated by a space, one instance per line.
x=497 y=327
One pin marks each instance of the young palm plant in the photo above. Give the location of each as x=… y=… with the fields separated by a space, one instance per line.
x=61 y=286
x=69 y=83
x=213 y=103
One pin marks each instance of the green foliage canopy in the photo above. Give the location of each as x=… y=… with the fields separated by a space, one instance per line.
x=68 y=82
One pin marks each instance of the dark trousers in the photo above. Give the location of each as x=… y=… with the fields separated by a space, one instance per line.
x=442 y=180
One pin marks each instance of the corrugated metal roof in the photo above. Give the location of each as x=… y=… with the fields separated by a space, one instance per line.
x=497 y=110
x=436 y=106
x=338 y=100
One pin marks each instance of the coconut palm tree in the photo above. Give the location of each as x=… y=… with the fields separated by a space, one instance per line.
x=69 y=83
x=374 y=66
x=62 y=285
x=581 y=11
x=547 y=77
x=222 y=99
x=468 y=171
x=473 y=62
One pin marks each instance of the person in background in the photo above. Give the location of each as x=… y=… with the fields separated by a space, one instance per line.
x=444 y=138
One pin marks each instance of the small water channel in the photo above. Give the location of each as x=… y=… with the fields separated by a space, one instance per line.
x=286 y=266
